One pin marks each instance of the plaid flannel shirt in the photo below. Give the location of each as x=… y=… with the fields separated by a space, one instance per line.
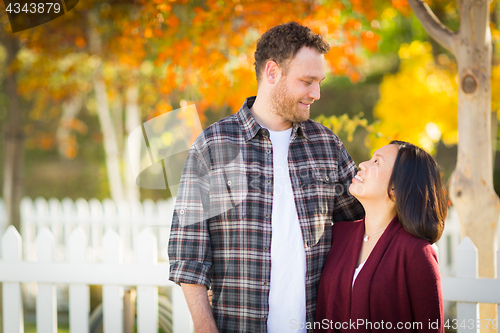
x=221 y=226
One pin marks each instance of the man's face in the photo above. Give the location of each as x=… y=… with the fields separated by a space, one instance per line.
x=294 y=93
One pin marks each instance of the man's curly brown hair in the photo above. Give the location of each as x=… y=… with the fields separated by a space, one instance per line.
x=282 y=43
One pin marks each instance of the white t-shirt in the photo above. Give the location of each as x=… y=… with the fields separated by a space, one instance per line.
x=356 y=272
x=287 y=295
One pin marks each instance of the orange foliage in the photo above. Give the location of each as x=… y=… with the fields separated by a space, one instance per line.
x=45 y=141
x=402 y=6
x=201 y=53
x=213 y=53
x=80 y=42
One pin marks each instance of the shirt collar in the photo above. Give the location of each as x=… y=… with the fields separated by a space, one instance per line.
x=251 y=127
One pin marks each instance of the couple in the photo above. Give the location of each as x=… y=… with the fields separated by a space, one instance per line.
x=260 y=192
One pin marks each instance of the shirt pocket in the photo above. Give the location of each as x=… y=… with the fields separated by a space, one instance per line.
x=228 y=192
x=326 y=186
x=320 y=202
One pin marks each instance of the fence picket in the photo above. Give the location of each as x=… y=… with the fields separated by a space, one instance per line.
x=46 y=303
x=123 y=227
x=112 y=295
x=498 y=275
x=56 y=227
x=79 y=295
x=150 y=212
x=69 y=220
x=70 y=244
x=136 y=225
x=12 y=304
x=109 y=214
x=147 y=297
x=28 y=228
x=3 y=220
x=28 y=235
x=181 y=318
x=41 y=213
x=467 y=266
x=96 y=229
x=165 y=212
x=82 y=212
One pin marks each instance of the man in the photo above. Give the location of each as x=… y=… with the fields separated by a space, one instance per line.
x=258 y=195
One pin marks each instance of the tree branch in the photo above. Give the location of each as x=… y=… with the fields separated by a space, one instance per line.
x=432 y=25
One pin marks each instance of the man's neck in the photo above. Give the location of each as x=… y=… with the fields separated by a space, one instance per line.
x=264 y=115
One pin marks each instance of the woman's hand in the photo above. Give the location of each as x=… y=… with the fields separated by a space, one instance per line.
x=210 y=295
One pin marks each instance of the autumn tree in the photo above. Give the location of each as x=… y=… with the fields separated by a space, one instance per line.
x=438 y=106
x=198 y=53
x=13 y=132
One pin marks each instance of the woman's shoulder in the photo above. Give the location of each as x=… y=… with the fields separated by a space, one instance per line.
x=413 y=244
x=347 y=227
x=343 y=233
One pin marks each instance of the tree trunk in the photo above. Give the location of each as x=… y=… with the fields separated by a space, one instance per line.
x=13 y=139
x=70 y=110
x=471 y=187
x=104 y=115
x=132 y=121
x=471 y=184
x=110 y=141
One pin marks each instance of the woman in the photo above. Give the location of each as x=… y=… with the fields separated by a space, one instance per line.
x=381 y=273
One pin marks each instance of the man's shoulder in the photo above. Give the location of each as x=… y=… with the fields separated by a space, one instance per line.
x=318 y=131
x=225 y=127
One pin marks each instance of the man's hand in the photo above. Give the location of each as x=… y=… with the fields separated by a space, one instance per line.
x=199 y=306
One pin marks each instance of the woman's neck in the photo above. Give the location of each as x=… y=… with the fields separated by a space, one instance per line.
x=378 y=216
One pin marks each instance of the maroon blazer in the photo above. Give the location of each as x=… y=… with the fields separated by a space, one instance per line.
x=399 y=285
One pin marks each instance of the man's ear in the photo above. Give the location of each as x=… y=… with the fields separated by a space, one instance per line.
x=271 y=71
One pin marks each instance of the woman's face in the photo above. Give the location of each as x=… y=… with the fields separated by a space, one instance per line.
x=372 y=180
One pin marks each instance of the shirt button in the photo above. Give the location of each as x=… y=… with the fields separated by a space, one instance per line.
x=268 y=181
x=229 y=183
x=182 y=212
x=327 y=178
x=265 y=249
x=268 y=151
x=265 y=283
x=267 y=216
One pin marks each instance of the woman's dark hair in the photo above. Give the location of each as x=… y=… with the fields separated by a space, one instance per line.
x=418 y=192
x=282 y=43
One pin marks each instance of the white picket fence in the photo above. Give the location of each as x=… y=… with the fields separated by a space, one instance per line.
x=94 y=217
x=448 y=244
x=62 y=217
x=74 y=245
x=146 y=274
x=67 y=224
x=468 y=290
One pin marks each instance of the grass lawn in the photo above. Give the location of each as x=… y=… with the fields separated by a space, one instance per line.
x=30 y=327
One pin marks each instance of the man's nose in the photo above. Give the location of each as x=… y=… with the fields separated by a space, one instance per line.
x=362 y=166
x=315 y=92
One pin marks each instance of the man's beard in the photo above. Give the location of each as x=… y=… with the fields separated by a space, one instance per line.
x=284 y=105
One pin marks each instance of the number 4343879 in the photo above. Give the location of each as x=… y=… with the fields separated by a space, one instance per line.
x=471 y=323
x=34 y=7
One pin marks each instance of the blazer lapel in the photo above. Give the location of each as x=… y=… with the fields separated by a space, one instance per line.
x=350 y=261
x=361 y=290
